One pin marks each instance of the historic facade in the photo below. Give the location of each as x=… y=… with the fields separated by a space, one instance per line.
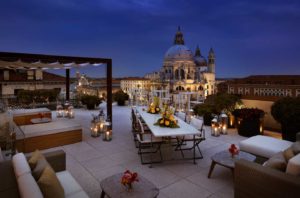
x=184 y=70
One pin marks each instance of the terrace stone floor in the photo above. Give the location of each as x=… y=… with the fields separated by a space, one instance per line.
x=92 y=160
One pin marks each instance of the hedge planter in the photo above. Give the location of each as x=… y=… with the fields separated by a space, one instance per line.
x=248 y=127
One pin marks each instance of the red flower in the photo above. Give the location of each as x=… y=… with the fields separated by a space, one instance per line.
x=129 y=177
x=233 y=149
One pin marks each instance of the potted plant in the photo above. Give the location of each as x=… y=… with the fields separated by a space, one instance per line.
x=249 y=121
x=90 y=101
x=205 y=110
x=286 y=111
x=120 y=96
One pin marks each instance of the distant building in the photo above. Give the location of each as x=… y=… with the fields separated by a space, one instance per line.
x=261 y=91
x=265 y=87
x=184 y=71
x=13 y=81
x=136 y=87
x=95 y=86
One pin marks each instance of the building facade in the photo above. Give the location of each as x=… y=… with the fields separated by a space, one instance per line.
x=184 y=71
x=136 y=87
x=266 y=87
x=12 y=81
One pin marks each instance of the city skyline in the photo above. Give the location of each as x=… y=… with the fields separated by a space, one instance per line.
x=248 y=37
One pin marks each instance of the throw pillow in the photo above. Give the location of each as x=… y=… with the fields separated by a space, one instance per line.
x=288 y=153
x=296 y=147
x=50 y=185
x=277 y=162
x=39 y=168
x=293 y=166
x=34 y=159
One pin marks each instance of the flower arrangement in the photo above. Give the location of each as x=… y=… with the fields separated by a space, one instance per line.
x=128 y=178
x=233 y=150
x=248 y=113
x=154 y=106
x=167 y=119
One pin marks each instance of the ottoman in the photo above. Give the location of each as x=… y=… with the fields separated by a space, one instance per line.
x=264 y=146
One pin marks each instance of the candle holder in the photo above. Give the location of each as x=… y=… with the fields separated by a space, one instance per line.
x=71 y=113
x=223 y=122
x=94 y=129
x=107 y=136
x=215 y=127
x=59 y=111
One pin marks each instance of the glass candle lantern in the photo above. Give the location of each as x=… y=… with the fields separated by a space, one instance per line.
x=223 y=123
x=94 y=129
x=59 y=111
x=71 y=113
x=215 y=127
x=107 y=136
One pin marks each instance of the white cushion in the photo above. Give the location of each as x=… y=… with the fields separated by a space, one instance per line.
x=264 y=146
x=22 y=112
x=80 y=194
x=20 y=165
x=57 y=126
x=28 y=188
x=293 y=166
x=69 y=184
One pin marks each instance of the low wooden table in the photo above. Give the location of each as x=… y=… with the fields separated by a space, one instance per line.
x=224 y=158
x=113 y=188
x=40 y=120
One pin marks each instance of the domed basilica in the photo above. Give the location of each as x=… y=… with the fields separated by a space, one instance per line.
x=184 y=70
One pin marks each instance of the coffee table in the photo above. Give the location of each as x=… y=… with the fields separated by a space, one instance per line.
x=112 y=187
x=225 y=159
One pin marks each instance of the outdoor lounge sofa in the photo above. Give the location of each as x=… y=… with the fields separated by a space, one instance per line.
x=256 y=180
x=18 y=182
x=24 y=116
x=48 y=135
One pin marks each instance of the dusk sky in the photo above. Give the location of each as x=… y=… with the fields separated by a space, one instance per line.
x=248 y=37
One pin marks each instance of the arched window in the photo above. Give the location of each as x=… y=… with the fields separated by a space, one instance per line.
x=182 y=74
x=176 y=74
x=179 y=88
x=200 y=88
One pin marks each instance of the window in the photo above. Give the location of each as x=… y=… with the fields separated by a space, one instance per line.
x=6 y=75
x=30 y=75
x=231 y=90
x=240 y=90
x=297 y=92
x=247 y=91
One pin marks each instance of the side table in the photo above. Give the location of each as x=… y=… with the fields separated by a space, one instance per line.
x=112 y=187
x=224 y=158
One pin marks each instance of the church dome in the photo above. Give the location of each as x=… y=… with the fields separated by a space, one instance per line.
x=178 y=52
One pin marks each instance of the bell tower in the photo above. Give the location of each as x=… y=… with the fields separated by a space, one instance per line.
x=211 y=61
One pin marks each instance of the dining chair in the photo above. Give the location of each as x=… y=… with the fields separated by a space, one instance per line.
x=182 y=140
x=148 y=144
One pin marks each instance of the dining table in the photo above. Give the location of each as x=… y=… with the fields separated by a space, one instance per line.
x=184 y=128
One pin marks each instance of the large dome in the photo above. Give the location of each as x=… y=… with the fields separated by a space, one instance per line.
x=178 y=52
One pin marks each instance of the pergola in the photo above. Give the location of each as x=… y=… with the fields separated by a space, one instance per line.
x=12 y=60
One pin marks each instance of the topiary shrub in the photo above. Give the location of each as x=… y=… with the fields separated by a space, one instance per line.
x=205 y=110
x=286 y=111
x=90 y=101
x=120 y=97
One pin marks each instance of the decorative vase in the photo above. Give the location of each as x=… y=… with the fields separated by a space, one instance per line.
x=129 y=187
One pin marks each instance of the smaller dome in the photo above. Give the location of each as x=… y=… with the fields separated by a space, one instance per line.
x=179 y=52
x=200 y=61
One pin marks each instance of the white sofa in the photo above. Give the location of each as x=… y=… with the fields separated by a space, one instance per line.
x=28 y=187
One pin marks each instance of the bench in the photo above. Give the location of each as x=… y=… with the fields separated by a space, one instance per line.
x=48 y=135
x=23 y=116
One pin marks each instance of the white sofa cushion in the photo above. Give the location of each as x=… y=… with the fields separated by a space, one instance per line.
x=20 y=165
x=80 y=194
x=70 y=185
x=23 y=112
x=264 y=146
x=28 y=188
x=54 y=127
x=293 y=166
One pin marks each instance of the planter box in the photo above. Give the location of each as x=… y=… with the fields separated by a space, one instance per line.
x=248 y=127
